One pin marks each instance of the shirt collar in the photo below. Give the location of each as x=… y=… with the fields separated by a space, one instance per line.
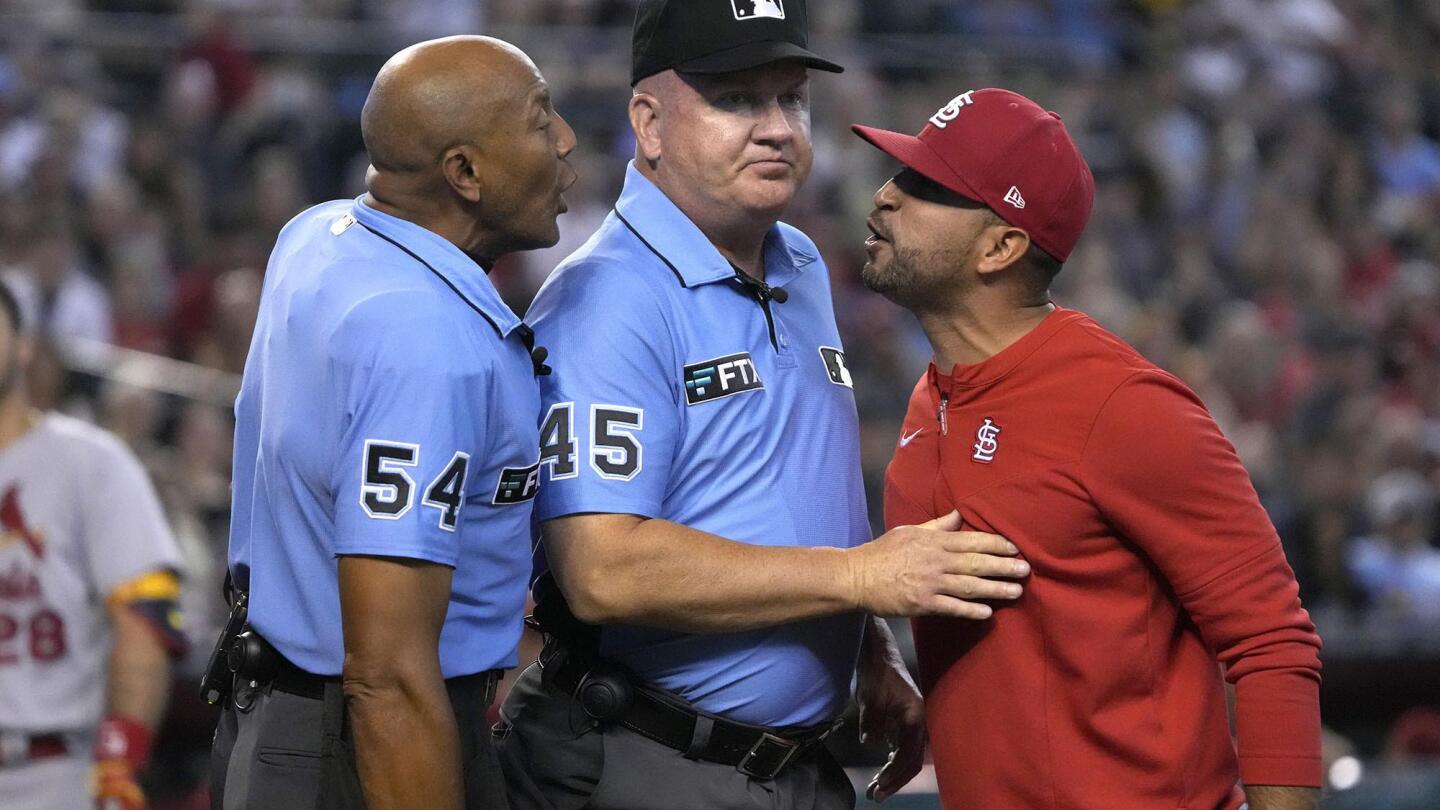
x=459 y=272
x=986 y=372
x=666 y=231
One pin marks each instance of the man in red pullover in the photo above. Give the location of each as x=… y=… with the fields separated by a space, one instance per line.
x=1151 y=556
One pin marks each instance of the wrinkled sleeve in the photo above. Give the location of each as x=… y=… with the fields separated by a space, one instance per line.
x=1162 y=473
x=412 y=423
x=612 y=422
x=128 y=535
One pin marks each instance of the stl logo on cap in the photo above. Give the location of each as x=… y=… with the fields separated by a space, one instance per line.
x=758 y=9
x=946 y=114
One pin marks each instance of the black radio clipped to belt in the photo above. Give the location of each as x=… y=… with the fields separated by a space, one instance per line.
x=572 y=653
x=239 y=651
x=215 y=685
x=604 y=690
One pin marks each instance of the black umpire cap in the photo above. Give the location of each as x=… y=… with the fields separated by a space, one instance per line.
x=719 y=36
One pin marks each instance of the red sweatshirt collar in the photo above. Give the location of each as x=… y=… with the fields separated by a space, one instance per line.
x=987 y=372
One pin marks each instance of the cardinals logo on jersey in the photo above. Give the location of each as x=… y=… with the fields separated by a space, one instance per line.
x=12 y=523
x=987 y=441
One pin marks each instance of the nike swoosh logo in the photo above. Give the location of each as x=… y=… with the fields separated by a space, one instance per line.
x=904 y=440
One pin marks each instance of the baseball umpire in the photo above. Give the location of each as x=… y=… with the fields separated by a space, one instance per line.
x=88 y=593
x=1152 y=555
x=702 y=496
x=387 y=418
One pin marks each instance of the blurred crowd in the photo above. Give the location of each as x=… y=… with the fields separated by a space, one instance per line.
x=1267 y=223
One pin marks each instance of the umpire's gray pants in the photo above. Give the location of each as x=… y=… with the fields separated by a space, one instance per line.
x=556 y=758
x=287 y=752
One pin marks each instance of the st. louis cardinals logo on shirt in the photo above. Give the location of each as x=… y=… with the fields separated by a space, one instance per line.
x=987 y=441
x=12 y=524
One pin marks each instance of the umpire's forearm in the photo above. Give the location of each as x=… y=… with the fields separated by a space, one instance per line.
x=621 y=568
x=407 y=749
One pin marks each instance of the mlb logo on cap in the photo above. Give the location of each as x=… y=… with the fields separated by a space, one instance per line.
x=698 y=36
x=757 y=9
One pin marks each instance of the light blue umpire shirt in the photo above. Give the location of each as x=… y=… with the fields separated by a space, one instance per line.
x=682 y=393
x=389 y=407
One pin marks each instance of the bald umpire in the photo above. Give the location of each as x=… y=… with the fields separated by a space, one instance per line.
x=385 y=454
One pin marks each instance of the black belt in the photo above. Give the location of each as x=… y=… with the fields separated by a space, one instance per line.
x=296 y=681
x=756 y=751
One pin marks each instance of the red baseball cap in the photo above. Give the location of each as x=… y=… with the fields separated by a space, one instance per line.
x=1004 y=150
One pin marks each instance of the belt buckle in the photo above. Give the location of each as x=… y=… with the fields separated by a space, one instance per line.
x=790 y=748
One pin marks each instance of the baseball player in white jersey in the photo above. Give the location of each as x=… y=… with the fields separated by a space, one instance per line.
x=88 y=589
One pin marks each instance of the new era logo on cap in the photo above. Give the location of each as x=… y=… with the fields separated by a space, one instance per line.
x=1013 y=197
x=758 y=9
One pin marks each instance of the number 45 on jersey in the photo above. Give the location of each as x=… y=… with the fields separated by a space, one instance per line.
x=615 y=451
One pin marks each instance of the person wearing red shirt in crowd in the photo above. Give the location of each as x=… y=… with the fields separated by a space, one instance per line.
x=1151 y=556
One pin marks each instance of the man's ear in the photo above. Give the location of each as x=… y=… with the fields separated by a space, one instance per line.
x=645 y=110
x=461 y=167
x=1001 y=246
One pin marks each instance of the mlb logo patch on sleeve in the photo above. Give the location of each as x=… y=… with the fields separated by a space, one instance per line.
x=720 y=377
x=835 y=367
